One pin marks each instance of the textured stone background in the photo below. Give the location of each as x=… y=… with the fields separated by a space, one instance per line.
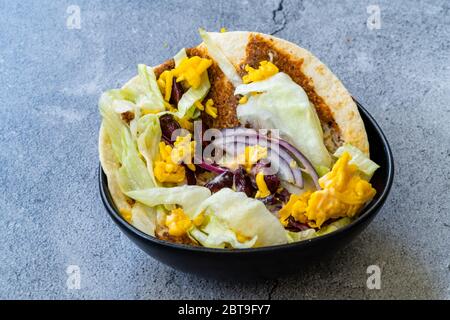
x=51 y=78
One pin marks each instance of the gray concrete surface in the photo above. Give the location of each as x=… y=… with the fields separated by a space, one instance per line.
x=51 y=77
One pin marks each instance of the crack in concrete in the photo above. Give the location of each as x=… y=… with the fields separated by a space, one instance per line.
x=272 y=290
x=283 y=21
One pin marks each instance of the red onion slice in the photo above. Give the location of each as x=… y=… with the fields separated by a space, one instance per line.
x=304 y=161
x=280 y=165
x=246 y=132
x=211 y=167
x=280 y=159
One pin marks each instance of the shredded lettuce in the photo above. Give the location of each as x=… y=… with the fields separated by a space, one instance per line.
x=141 y=92
x=311 y=233
x=134 y=123
x=133 y=174
x=112 y=123
x=216 y=235
x=284 y=105
x=301 y=235
x=121 y=106
x=186 y=196
x=245 y=216
x=363 y=163
x=322 y=170
x=217 y=54
x=334 y=226
x=123 y=100
x=186 y=103
x=179 y=57
x=227 y=215
x=148 y=141
x=150 y=96
x=125 y=93
x=144 y=218
x=196 y=114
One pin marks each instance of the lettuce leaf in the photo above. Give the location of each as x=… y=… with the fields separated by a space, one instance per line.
x=148 y=141
x=126 y=94
x=334 y=226
x=123 y=100
x=112 y=123
x=186 y=103
x=311 y=233
x=134 y=122
x=186 y=196
x=144 y=218
x=227 y=214
x=217 y=54
x=284 y=105
x=122 y=105
x=149 y=96
x=179 y=57
x=301 y=235
x=364 y=164
x=133 y=174
x=245 y=216
x=141 y=92
x=216 y=235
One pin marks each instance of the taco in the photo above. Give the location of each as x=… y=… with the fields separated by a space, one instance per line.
x=246 y=140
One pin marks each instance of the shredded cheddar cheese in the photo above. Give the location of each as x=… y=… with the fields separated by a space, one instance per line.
x=241 y=238
x=148 y=111
x=161 y=84
x=251 y=155
x=343 y=194
x=165 y=84
x=166 y=170
x=183 y=151
x=178 y=222
x=243 y=100
x=186 y=123
x=210 y=109
x=295 y=207
x=199 y=105
x=169 y=107
x=199 y=219
x=168 y=88
x=265 y=70
x=263 y=190
x=126 y=214
x=191 y=69
x=255 y=153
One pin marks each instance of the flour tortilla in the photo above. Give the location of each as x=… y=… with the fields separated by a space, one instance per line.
x=326 y=85
x=339 y=101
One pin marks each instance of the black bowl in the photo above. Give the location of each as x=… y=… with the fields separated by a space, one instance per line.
x=267 y=262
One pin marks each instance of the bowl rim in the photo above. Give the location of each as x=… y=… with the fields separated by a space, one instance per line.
x=370 y=210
